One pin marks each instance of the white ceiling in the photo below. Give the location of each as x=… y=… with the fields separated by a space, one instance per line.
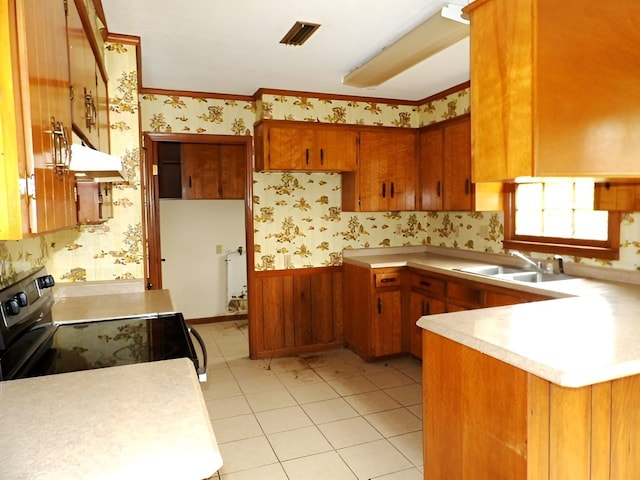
x=232 y=46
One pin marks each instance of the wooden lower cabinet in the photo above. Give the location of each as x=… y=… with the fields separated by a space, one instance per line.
x=487 y=420
x=295 y=311
x=373 y=310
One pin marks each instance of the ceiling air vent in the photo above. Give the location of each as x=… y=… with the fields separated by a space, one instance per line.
x=299 y=33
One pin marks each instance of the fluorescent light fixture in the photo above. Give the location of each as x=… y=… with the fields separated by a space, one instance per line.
x=95 y=166
x=434 y=35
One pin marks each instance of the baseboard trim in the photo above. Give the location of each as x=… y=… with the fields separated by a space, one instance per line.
x=220 y=318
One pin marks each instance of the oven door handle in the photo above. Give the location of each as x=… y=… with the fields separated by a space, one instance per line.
x=202 y=370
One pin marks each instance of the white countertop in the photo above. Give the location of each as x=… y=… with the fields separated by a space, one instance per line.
x=142 y=421
x=588 y=333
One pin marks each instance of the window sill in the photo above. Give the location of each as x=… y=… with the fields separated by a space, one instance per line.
x=605 y=253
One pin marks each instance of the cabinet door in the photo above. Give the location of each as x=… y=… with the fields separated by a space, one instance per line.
x=233 y=168
x=289 y=148
x=456 y=156
x=431 y=145
x=336 y=149
x=386 y=328
x=51 y=202
x=84 y=101
x=420 y=305
x=200 y=167
x=387 y=173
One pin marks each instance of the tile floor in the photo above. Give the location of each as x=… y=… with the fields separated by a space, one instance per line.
x=326 y=415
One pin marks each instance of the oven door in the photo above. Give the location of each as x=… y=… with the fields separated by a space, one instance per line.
x=119 y=341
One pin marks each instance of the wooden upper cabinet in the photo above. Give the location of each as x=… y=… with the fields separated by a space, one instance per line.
x=290 y=146
x=88 y=86
x=36 y=192
x=550 y=98
x=386 y=177
x=445 y=170
x=212 y=171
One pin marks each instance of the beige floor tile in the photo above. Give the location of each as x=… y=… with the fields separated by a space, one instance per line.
x=372 y=402
x=406 y=394
x=246 y=454
x=410 y=445
x=297 y=378
x=349 y=432
x=313 y=392
x=374 y=459
x=227 y=407
x=271 y=400
x=267 y=472
x=213 y=390
x=346 y=386
x=283 y=419
x=416 y=410
x=322 y=466
x=297 y=443
x=389 y=378
x=410 y=474
x=394 y=422
x=236 y=428
x=329 y=410
x=260 y=384
x=334 y=372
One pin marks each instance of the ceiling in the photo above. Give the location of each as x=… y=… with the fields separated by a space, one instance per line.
x=232 y=47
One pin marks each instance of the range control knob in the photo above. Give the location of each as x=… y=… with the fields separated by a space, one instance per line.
x=22 y=299
x=46 y=281
x=11 y=307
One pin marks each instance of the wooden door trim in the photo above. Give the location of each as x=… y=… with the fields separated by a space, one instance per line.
x=151 y=212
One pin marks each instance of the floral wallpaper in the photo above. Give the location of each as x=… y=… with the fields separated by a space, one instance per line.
x=298 y=220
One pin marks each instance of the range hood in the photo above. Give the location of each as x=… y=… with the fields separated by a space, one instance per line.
x=91 y=165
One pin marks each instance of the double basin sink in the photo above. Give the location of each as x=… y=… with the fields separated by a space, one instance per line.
x=515 y=274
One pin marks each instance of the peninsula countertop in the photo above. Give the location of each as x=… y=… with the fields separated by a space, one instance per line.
x=146 y=420
x=589 y=332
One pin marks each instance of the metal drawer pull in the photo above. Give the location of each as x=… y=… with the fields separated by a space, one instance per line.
x=425 y=283
x=388 y=280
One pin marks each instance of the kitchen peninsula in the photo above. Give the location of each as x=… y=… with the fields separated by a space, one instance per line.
x=539 y=390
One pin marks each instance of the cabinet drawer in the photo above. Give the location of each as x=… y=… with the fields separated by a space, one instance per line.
x=387 y=279
x=466 y=293
x=431 y=285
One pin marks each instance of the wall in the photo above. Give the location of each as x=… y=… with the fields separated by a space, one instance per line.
x=190 y=232
x=296 y=215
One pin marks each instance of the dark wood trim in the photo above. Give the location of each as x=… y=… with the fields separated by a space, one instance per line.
x=606 y=250
x=97 y=4
x=298 y=271
x=153 y=266
x=333 y=96
x=283 y=352
x=217 y=319
x=186 y=93
x=445 y=93
x=122 y=38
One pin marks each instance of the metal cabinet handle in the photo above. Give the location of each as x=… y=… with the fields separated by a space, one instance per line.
x=439 y=188
x=90 y=110
x=322 y=156
x=392 y=189
x=379 y=305
x=425 y=283
x=388 y=280
x=384 y=190
x=306 y=156
x=467 y=186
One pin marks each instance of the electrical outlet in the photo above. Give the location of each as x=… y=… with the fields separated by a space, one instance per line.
x=483 y=231
x=287 y=261
x=399 y=229
x=218 y=249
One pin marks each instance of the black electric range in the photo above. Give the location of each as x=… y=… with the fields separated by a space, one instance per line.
x=33 y=344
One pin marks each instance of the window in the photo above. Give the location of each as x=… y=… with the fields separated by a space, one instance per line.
x=557 y=216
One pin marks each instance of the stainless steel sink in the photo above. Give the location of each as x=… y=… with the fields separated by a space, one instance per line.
x=515 y=274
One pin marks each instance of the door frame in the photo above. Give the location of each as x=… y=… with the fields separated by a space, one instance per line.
x=151 y=211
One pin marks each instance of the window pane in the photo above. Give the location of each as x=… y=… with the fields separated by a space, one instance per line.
x=558 y=223
x=592 y=224
x=558 y=195
x=559 y=208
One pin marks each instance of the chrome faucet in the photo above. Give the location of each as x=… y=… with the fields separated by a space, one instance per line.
x=529 y=261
